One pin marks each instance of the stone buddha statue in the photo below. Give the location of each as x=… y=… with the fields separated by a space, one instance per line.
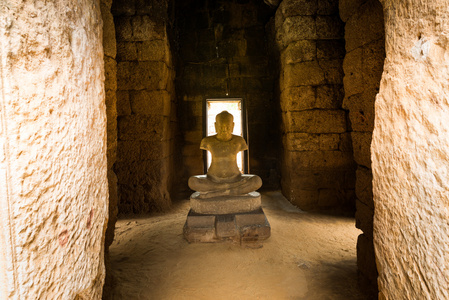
x=224 y=177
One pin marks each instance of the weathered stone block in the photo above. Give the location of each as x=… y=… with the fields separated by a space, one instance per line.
x=306 y=73
x=294 y=7
x=364 y=187
x=126 y=51
x=130 y=198
x=128 y=151
x=251 y=234
x=366 y=261
x=154 y=150
x=317 y=121
x=352 y=67
x=329 y=27
x=373 y=56
x=109 y=42
x=345 y=142
x=347 y=8
x=225 y=204
x=150 y=102
x=298 y=98
x=295 y=29
x=225 y=226
x=300 y=51
x=123 y=8
x=154 y=50
x=201 y=221
x=320 y=160
x=361 y=110
x=123 y=104
x=330 y=49
x=329 y=96
x=327 y=7
x=243 y=227
x=143 y=128
x=110 y=70
x=364 y=218
x=355 y=35
x=144 y=29
x=315 y=179
x=252 y=218
x=309 y=142
x=141 y=172
x=199 y=234
x=123 y=28
x=141 y=75
x=333 y=70
x=361 y=143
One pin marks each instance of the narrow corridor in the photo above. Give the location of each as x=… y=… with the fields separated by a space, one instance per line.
x=308 y=256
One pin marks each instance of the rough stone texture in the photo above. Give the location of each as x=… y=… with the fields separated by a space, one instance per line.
x=363 y=66
x=225 y=204
x=54 y=189
x=223 y=54
x=410 y=153
x=316 y=142
x=145 y=106
x=246 y=227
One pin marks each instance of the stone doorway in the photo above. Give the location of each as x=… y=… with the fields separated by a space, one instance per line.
x=236 y=107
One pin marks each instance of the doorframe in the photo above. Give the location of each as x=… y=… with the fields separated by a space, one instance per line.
x=244 y=116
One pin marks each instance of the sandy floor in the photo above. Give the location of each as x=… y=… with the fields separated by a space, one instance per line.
x=308 y=256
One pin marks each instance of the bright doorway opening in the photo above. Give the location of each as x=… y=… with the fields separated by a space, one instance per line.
x=234 y=106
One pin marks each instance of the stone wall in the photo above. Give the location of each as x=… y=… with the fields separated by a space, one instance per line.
x=410 y=155
x=145 y=106
x=363 y=65
x=317 y=165
x=223 y=54
x=54 y=189
x=110 y=73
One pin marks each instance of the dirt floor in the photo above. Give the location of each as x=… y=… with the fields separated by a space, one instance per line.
x=308 y=256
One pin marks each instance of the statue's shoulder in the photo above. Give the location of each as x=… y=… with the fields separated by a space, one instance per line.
x=207 y=141
x=238 y=138
x=240 y=141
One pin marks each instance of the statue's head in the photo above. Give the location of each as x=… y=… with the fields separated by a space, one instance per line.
x=224 y=125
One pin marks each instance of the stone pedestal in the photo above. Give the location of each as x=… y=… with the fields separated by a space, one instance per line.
x=232 y=218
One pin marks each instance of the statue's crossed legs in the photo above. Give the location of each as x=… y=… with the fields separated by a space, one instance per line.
x=209 y=189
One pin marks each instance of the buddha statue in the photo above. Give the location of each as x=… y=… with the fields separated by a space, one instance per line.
x=224 y=177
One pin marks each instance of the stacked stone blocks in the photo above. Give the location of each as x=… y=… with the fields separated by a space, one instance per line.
x=317 y=167
x=363 y=66
x=145 y=105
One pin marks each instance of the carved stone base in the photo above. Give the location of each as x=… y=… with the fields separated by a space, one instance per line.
x=225 y=204
x=244 y=227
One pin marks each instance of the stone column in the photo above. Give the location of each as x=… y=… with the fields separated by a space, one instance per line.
x=145 y=106
x=110 y=70
x=54 y=191
x=317 y=163
x=363 y=66
x=410 y=153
